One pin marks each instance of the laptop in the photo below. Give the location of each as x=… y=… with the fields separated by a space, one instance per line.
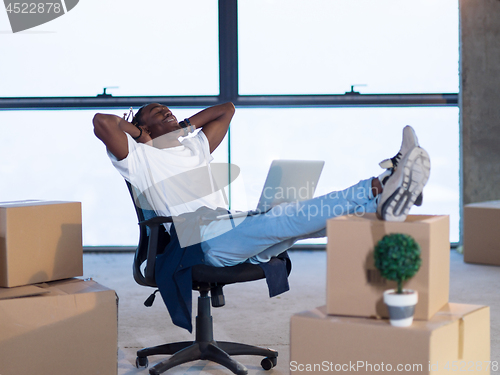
x=287 y=181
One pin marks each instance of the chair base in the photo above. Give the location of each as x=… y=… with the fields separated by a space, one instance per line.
x=219 y=352
x=205 y=348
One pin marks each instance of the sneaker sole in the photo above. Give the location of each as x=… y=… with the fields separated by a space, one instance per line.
x=416 y=171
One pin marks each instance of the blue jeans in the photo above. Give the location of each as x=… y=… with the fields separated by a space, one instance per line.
x=256 y=239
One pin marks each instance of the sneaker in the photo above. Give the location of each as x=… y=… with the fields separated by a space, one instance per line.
x=410 y=172
x=410 y=140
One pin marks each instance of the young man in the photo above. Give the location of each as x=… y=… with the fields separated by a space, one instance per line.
x=149 y=154
x=174 y=176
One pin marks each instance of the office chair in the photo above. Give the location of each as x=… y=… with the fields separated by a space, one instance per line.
x=153 y=239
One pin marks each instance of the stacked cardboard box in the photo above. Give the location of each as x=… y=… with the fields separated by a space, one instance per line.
x=355 y=287
x=61 y=327
x=51 y=322
x=351 y=333
x=40 y=241
x=481 y=234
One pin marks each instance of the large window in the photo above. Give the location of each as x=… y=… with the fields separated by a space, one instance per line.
x=324 y=47
x=54 y=155
x=286 y=66
x=136 y=47
x=351 y=141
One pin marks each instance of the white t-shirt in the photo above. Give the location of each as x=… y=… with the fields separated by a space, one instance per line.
x=173 y=180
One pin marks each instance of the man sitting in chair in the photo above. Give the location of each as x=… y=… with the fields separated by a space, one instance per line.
x=152 y=151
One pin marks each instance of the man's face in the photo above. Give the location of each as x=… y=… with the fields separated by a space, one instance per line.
x=159 y=120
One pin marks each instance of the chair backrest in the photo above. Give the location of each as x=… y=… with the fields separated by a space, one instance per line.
x=145 y=275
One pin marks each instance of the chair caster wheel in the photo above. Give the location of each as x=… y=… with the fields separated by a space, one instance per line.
x=268 y=363
x=141 y=362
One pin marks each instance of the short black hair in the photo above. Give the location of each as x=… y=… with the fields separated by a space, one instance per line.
x=137 y=121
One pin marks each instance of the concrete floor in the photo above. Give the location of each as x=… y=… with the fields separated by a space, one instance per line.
x=250 y=316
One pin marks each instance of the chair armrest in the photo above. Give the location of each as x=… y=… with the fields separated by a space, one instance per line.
x=152 y=250
x=149 y=272
x=157 y=220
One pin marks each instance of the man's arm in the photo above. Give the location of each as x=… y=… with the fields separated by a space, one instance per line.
x=111 y=129
x=214 y=122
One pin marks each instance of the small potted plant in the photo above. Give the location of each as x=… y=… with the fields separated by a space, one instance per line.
x=397 y=257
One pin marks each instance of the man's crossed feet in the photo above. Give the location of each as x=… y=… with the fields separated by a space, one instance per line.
x=405 y=178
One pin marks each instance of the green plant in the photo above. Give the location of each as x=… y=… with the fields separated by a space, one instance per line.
x=397 y=257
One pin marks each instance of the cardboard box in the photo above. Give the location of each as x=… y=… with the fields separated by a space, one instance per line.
x=39 y=241
x=481 y=233
x=355 y=287
x=456 y=339
x=63 y=327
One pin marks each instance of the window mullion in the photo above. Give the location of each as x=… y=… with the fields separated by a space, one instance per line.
x=228 y=50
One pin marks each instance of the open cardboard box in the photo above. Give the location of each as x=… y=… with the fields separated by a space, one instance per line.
x=481 y=234
x=62 y=327
x=39 y=241
x=355 y=287
x=456 y=339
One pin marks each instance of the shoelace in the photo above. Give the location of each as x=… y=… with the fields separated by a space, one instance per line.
x=391 y=163
x=395 y=160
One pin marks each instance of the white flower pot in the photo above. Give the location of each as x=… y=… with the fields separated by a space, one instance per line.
x=401 y=306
